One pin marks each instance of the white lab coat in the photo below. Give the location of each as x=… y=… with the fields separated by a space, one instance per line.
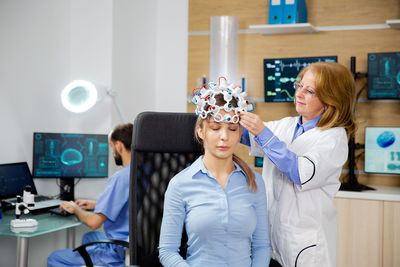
x=303 y=223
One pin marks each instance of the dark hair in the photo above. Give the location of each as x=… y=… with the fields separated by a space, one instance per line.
x=123 y=133
x=250 y=176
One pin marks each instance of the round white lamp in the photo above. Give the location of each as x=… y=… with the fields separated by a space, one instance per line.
x=79 y=96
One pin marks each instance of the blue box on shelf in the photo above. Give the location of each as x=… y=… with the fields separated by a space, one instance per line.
x=287 y=11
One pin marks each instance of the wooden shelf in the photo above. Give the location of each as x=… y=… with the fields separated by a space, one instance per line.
x=283 y=28
x=309 y=28
x=393 y=23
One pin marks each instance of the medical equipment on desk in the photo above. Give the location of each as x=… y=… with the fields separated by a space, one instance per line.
x=22 y=206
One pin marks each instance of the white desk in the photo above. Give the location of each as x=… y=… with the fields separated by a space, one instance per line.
x=386 y=193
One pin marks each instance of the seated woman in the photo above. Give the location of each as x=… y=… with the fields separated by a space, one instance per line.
x=219 y=199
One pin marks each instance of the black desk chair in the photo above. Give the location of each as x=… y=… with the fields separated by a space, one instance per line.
x=163 y=144
x=85 y=255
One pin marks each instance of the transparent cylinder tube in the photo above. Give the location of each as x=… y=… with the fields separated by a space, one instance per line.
x=224 y=48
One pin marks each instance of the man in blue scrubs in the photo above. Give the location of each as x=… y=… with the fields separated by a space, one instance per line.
x=111 y=210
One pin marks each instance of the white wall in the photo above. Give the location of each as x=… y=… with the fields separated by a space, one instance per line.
x=139 y=48
x=150 y=61
x=172 y=25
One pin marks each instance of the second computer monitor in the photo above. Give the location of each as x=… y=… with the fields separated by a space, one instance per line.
x=281 y=73
x=66 y=155
x=384 y=75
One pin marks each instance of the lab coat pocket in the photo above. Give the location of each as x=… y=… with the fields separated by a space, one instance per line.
x=306 y=256
x=298 y=246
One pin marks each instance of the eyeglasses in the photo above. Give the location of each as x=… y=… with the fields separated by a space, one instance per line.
x=299 y=87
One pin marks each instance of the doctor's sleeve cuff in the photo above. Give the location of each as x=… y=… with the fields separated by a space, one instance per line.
x=264 y=137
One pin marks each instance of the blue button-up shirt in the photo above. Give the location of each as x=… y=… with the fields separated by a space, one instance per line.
x=225 y=227
x=277 y=150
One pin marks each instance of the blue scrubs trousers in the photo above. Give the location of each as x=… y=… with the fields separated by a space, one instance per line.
x=101 y=254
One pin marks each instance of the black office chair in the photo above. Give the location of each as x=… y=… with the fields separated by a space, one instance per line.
x=85 y=255
x=162 y=145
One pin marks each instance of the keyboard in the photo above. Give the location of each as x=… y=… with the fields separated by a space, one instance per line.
x=37 y=198
x=60 y=212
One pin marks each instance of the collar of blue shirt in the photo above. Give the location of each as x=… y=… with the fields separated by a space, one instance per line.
x=302 y=128
x=308 y=125
x=198 y=166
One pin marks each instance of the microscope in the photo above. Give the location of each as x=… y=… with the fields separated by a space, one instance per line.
x=22 y=206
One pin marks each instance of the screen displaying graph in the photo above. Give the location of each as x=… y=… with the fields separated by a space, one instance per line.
x=281 y=73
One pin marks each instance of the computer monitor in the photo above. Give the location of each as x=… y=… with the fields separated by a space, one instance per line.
x=69 y=155
x=281 y=73
x=13 y=179
x=384 y=75
x=382 y=150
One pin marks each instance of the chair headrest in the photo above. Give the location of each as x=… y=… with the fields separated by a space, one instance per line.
x=165 y=132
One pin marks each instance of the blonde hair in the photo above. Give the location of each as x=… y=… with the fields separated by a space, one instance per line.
x=250 y=176
x=335 y=88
